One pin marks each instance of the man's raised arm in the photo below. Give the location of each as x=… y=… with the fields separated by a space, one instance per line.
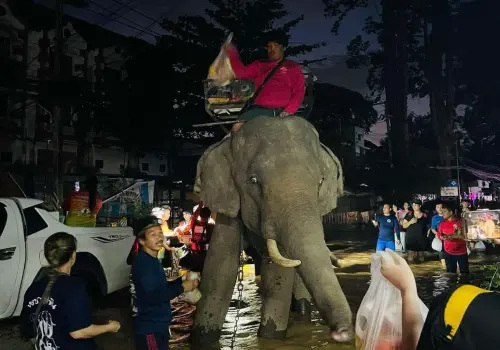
x=249 y=72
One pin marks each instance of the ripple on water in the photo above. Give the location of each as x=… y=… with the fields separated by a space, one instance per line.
x=354 y=279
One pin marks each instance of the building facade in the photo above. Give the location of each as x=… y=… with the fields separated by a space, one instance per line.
x=26 y=122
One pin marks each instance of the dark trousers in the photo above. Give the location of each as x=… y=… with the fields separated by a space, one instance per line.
x=453 y=260
x=154 y=341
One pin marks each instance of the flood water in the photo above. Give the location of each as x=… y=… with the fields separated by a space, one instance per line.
x=354 y=279
x=355 y=247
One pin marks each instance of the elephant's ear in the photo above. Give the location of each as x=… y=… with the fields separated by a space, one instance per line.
x=214 y=181
x=333 y=183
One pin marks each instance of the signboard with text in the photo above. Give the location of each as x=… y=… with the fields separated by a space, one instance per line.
x=449 y=191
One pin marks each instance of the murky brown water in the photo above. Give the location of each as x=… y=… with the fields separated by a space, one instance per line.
x=354 y=279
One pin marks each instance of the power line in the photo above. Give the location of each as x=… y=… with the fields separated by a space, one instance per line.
x=115 y=12
x=134 y=25
x=134 y=10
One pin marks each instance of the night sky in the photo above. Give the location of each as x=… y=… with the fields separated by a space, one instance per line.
x=314 y=29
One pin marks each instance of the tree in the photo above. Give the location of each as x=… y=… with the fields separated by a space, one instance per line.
x=195 y=41
x=428 y=28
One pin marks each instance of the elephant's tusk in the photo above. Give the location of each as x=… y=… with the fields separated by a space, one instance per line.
x=277 y=258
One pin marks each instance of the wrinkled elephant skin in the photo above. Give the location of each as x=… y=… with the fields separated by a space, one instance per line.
x=273 y=177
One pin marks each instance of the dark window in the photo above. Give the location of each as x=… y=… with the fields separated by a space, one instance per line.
x=6 y=157
x=4 y=104
x=163 y=168
x=34 y=222
x=3 y=218
x=145 y=166
x=4 y=47
x=45 y=158
x=67 y=66
x=99 y=163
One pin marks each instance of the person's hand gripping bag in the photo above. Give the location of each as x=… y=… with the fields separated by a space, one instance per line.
x=379 y=318
x=221 y=72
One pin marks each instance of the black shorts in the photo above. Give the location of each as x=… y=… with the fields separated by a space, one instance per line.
x=153 y=341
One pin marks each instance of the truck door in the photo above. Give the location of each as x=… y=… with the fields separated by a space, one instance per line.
x=12 y=256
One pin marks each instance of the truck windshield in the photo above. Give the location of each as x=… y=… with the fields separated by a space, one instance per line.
x=3 y=218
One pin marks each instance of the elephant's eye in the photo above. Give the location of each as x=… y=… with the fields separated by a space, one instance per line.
x=321 y=181
x=253 y=179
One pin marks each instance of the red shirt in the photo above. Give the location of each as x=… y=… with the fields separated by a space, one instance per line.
x=455 y=246
x=285 y=89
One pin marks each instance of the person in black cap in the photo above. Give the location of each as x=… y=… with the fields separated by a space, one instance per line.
x=462 y=318
x=282 y=94
x=416 y=226
x=150 y=290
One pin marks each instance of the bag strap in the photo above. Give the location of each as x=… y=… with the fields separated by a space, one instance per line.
x=457 y=305
x=269 y=75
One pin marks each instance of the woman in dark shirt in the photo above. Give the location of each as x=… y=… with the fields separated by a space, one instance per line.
x=416 y=226
x=56 y=310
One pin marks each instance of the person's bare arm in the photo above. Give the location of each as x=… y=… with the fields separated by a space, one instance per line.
x=406 y=224
x=94 y=330
x=397 y=272
x=413 y=321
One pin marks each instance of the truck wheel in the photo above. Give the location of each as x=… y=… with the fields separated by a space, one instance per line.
x=93 y=290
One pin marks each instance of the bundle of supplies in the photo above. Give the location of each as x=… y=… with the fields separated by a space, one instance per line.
x=379 y=319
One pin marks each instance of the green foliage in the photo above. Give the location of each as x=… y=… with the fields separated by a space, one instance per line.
x=141 y=209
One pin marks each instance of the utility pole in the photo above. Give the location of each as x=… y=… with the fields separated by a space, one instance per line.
x=458 y=170
x=56 y=112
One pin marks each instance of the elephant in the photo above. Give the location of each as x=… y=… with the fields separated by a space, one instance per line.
x=270 y=184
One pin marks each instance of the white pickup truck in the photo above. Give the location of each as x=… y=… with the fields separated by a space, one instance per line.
x=24 y=227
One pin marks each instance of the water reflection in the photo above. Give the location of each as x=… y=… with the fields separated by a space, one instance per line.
x=354 y=279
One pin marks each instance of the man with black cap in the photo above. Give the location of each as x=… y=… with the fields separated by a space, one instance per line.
x=151 y=293
x=282 y=94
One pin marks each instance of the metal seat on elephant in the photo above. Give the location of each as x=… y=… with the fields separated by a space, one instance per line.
x=224 y=103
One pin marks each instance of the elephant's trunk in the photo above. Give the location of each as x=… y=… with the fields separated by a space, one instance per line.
x=277 y=258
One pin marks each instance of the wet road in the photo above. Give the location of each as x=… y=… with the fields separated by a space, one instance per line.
x=355 y=248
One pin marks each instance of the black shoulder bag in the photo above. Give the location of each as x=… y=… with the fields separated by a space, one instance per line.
x=269 y=75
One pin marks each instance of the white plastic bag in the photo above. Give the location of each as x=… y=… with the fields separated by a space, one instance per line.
x=437 y=244
x=379 y=318
x=221 y=72
x=479 y=247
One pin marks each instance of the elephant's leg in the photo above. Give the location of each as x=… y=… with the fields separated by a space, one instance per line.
x=301 y=299
x=218 y=280
x=277 y=284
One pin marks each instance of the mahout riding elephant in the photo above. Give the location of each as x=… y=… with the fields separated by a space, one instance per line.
x=270 y=184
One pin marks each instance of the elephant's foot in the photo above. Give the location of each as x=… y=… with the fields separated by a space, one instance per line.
x=303 y=308
x=342 y=335
x=202 y=338
x=270 y=331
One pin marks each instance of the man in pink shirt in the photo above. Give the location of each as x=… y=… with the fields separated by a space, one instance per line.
x=281 y=95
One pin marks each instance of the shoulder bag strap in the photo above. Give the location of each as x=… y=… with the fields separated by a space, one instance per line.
x=269 y=75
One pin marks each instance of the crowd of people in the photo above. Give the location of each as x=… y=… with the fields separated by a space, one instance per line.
x=414 y=230
x=57 y=311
